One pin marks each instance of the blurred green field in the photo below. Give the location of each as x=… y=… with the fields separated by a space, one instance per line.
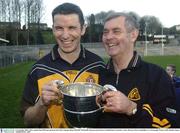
x=12 y=80
x=164 y=60
x=11 y=85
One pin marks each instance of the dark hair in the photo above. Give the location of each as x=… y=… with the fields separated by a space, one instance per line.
x=131 y=21
x=172 y=66
x=69 y=8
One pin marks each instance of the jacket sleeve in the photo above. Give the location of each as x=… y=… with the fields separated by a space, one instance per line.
x=159 y=111
x=30 y=94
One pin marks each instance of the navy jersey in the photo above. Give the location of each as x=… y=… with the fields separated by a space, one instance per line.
x=150 y=87
x=53 y=67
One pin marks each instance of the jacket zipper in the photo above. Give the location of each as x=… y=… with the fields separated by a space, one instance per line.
x=117 y=79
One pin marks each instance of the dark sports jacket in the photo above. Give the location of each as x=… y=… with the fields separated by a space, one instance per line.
x=150 y=87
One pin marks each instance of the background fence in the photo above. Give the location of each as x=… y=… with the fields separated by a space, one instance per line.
x=14 y=54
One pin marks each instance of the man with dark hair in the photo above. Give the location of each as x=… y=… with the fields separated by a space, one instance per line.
x=145 y=95
x=68 y=8
x=171 y=70
x=68 y=61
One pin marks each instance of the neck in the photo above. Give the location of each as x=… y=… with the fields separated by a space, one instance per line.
x=121 y=62
x=69 y=57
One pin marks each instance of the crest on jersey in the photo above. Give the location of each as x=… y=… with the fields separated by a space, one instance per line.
x=90 y=79
x=134 y=95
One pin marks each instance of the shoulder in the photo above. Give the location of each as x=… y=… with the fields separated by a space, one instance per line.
x=155 y=73
x=47 y=58
x=44 y=61
x=159 y=81
x=153 y=67
x=94 y=59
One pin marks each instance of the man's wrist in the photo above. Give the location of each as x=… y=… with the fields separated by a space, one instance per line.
x=133 y=109
x=40 y=103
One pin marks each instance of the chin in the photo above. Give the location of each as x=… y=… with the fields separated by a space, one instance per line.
x=111 y=53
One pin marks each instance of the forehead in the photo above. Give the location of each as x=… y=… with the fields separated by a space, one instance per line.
x=115 y=22
x=66 y=18
x=168 y=67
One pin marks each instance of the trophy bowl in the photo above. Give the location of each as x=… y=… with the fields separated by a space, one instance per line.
x=80 y=104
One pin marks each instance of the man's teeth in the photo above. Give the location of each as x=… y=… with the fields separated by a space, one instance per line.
x=110 y=45
x=67 y=42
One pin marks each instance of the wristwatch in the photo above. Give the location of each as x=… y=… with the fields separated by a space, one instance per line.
x=134 y=111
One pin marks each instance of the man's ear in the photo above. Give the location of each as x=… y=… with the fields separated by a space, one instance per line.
x=134 y=35
x=83 y=29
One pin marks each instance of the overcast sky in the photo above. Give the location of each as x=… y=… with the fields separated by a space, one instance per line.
x=168 y=11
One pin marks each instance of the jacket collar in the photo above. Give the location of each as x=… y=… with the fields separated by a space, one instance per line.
x=134 y=63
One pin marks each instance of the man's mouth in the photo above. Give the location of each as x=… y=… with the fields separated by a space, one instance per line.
x=111 y=44
x=67 y=42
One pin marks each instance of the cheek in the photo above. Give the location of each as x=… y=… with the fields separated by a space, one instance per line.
x=78 y=34
x=103 y=38
x=75 y=35
x=106 y=40
x=56 y=34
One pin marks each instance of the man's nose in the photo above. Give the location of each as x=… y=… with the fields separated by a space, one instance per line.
x=65 y=34
x=109 y=36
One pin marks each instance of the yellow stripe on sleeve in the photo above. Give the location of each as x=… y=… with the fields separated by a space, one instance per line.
x=148 y=109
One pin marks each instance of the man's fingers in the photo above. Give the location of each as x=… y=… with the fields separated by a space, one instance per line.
x=49 y=93
x=48 y=99
x=107 y=109
x=109 y=94
x=51 y=88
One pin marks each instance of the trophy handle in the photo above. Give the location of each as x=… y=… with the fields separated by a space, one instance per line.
x=100 y=101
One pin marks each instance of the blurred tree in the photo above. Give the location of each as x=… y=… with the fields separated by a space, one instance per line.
x=91 y=23
x=100 y=17
x=153 y=25
x=22 y=40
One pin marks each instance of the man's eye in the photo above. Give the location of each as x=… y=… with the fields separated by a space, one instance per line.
x=105 y=32
x=117 y=31
x=58 y=28
x=73 y=28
